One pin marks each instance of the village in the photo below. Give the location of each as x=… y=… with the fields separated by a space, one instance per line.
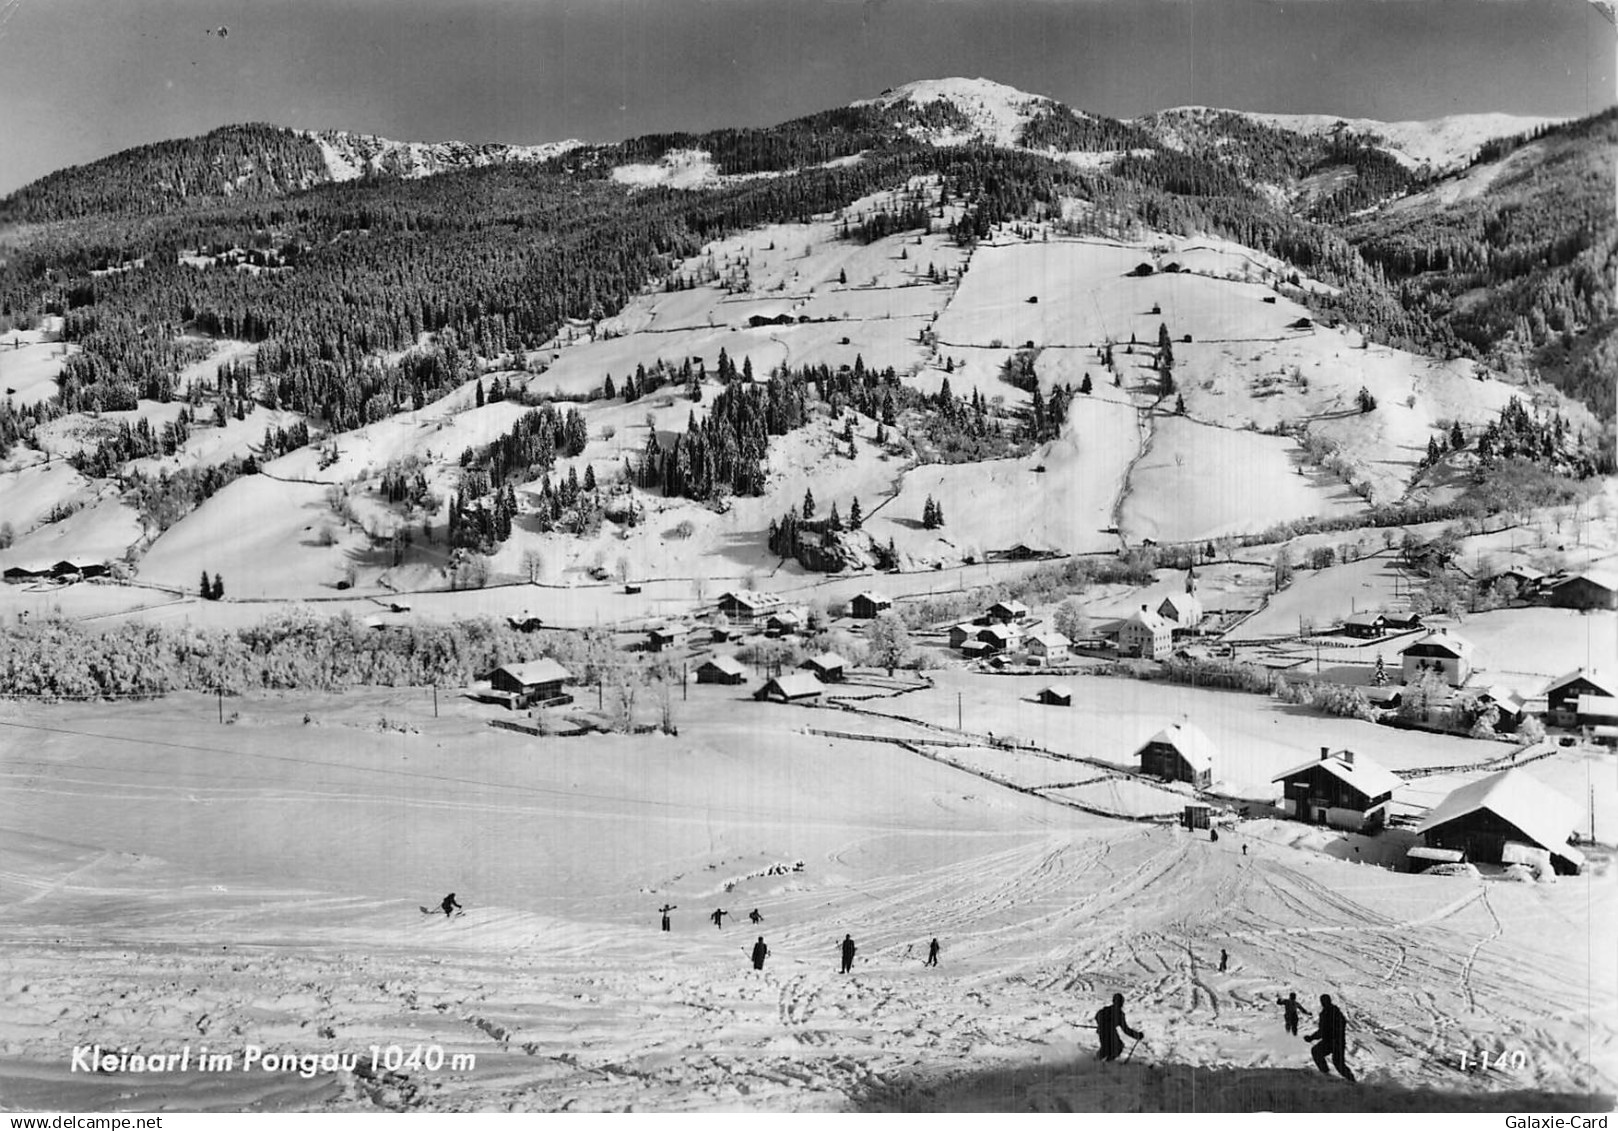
x=1481 y=811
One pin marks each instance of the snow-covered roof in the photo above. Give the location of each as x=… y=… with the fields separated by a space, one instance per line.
x=752 y=599
x=1052 y=640
x=1504 y=696
x=1598 y=707
x=1369 y=620
x=1057 y=691
x=1605 y=578
x=1595 y=676
x=1527 y=573
x=1443 y=641
x=546 y=670
x=1195 y=747
x=730 y=665
x=1518 y=797
x=875 y=598
x=797 y=684
x=827 y=660
x=1016 y=608
x=1368 y=777
x=1151 y=620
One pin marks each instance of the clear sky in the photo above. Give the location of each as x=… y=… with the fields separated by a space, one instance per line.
x=83 y=78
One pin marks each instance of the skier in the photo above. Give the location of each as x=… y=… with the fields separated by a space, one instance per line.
x=932 y=954
x=1291 y=1007
x=449 y=905
x=760 y=953
x=755 y=917
x=1213 y=835
x=1109 y=1019
x=718 y=917
x=1331 y=1039
x=1224 y=960
x=1244 y=850
x=848 y=953
x=664 y=911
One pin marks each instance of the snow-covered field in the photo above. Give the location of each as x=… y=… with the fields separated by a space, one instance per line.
x=171 y=882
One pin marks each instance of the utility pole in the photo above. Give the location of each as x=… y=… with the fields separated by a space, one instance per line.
x=685 y=684
x=958 y=725
x=220 y=688
x=435 y=700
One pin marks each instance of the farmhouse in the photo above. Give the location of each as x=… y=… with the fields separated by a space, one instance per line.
x=535 y=681
x=800 y=687
x=721 y=669
x=1046 y=645
x=1056 y=695
x=1344 y=790
x=785 y=622
x=20 y=573
x=1596 y=711
x=1179 y=752
x=828 y=666
x=744 y=606
x=1507 y=703
x=1008 y=612
x=661 y=636
x=1562 y=695
x=1145 y=634
x=1592 y=589
x=1403 y=622
x=867 y=605
x=1365 y=626
x=1440 y=651
x=998 y=638
x=1529 y=581
x=1506 y=818
x=975 y=649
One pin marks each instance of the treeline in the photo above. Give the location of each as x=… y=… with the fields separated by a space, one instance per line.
x=294 y=651
x=165 y=498
x=132 y=441
x=1059 y=127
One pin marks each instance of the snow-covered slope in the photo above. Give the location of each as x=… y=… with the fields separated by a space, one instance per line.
x=351 y=156
x=997 y=112
x=1442 y=143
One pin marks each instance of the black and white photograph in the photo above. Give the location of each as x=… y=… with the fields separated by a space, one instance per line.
x=808 y=556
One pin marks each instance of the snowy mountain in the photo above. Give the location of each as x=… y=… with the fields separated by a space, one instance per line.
x=1441 y=144
x=989 y=111
x=349 y=156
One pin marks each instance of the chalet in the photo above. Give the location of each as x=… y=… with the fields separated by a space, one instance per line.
x=525 y=623
x=998 y=638
x=1197 y=817
x=959 y=634
x=744 y=606
x=719 y=634
x=1056 y=695
x=799 y=687
x=630 y=588
x=17 y=574
x=1008 y=612
x=867 y=605
x=1440 y=651
x=1026 y=551
x=784 y=622
x=535 y=681
x=1344 y=790
x=1145 y=634
x=78 y=569
x=722 y=669
x=1384 y=698
x=1505 y=818
x=1592 y=589
x=1562 y=695
x=661 y=636
x=1365 y=626
x=1047 y=645
x=828 y=666
x=1179 y=752
x=1403 y=622
x=975 y=649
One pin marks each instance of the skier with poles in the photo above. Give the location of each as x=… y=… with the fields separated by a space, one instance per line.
x=449 y=906
x=932 y=954
x=760 y=953
x=664 y=911
x=718 y=917
x=1110 y=1019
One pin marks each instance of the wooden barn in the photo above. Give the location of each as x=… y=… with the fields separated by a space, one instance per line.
x=722 y=669
x=829 y=667
x=799 y=687
x=535 y=681
x=1440 y=651
x=867 y=605
x=1056 y=695
x=1506 y=818
x=1527 y=580
x=1592 y=589
x=1179 y=752
x=1047 y=645
x=959 y=634
x=1345 y=790
x=997 y=638
x=744 y=606
x=784 y=622
x=525 y=623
